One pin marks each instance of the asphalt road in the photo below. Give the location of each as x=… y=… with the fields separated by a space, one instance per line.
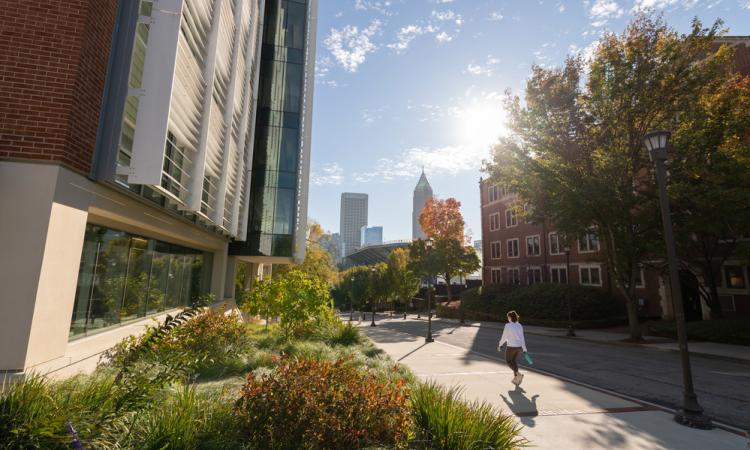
x=722 y=387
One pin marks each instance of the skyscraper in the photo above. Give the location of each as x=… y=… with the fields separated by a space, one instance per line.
x=422 y=193
x=154 y=146
x=353 y=218
x=371 y=236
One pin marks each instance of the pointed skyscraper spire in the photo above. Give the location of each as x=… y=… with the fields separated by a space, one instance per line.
x=422 y=193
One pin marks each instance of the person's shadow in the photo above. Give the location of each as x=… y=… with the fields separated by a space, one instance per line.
x=523 y=407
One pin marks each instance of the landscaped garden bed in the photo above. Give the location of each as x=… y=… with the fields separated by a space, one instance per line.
x=208 y=380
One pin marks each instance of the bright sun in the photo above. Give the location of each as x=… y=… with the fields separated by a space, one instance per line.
x=480 y=124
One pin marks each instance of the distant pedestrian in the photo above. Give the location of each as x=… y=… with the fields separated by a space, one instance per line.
x=516 y=344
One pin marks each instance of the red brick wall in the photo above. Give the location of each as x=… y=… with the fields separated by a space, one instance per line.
x=53 y=60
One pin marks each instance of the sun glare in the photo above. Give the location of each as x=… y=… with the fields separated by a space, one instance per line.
x=480 y=124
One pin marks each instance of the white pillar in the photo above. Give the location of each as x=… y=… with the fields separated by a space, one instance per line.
x=41 y=236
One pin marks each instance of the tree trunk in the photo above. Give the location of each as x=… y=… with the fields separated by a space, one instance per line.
x=714 y=303
x=448 y=288
x=628 y=293
x=632 y=308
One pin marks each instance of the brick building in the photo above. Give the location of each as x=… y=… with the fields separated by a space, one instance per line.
x=526 y=253
x=146 y=149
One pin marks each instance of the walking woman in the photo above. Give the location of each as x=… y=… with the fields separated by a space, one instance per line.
x=516 y=344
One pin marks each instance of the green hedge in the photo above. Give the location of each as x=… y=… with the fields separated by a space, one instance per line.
x=726 y=331
x=543 y=304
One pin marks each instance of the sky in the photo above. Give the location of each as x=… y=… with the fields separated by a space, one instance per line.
x=406 y=84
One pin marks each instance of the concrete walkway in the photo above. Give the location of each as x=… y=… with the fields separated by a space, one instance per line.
x=708 y=349
x=556 y=414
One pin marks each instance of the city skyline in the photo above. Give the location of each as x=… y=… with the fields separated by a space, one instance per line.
x=401 y=85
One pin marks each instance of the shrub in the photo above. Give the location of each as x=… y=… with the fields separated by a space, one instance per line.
x=726 y=331
x=445 y=421
x=543 y=302
x=346 y=335
x=29 y=417
x=321 y=404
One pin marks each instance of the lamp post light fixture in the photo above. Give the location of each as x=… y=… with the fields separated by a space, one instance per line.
x=571 y=329
x=691 y=413
x=429 y=243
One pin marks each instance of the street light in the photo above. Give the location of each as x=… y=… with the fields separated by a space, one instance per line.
x=372 y=300
x=429 y=244
x=571 y=328
x=691 y=413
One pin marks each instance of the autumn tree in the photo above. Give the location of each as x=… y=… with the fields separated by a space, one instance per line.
x=442 y=219
x=575 y=143
x=317 y=262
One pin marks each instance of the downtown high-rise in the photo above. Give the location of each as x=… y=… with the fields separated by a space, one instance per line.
x=422 y=193
x=353 y=216
x=148 y=149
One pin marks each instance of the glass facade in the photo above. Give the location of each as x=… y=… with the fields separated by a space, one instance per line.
x=275 y=166
x=123 y=276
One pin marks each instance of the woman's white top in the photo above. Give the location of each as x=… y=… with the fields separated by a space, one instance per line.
x=513 y=336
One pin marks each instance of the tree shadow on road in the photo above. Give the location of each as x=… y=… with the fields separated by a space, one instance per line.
x=522 y=406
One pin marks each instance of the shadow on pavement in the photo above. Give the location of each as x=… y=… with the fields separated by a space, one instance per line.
x=522 y=406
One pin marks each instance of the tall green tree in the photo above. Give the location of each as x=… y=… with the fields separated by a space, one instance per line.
x=355 y=283
x=575 y=147
x=401 y=277
x=379 y=290
x=710 y=181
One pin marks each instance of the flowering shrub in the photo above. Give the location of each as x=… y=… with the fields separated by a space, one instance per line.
x=322 y=404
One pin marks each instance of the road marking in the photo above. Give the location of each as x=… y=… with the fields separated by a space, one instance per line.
x=575 y=412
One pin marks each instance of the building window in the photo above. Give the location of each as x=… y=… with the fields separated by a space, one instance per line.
x=495 y=275
x=734 y=276
x=534 y=275
x=528 y=210
x=533 y=246
x=124 y=276
x=495 y=250
x=511 y=220
x=554 y=244
x=494 y=193
x=512 y=248
x=640 y=280
x=494 y=221
x=590 y=275
x=589 y=243
x=558 y=274
x=514 y=275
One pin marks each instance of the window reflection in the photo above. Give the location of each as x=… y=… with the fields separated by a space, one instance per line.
x=124 y=277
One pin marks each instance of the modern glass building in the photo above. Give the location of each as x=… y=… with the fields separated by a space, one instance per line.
x=171 y=145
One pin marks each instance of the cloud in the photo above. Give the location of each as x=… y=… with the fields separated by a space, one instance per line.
x=663 y=4
x=603 y=10
x=487 y=68
x=447 y=160
x=369 y=5
x=434 y=26
x=370 y=116
x=496 y=16
x=328 y=173
x=350 y=45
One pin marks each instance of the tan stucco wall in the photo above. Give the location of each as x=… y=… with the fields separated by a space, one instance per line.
x=43 y=214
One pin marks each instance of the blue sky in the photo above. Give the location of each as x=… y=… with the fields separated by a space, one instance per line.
x=402 y=84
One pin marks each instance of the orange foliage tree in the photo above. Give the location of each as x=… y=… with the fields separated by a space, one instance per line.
x=441 y=220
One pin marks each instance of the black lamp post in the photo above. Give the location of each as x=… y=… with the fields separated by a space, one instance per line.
x=691 y=413
x=429 y=244
x=372 y=301
x=571 y=328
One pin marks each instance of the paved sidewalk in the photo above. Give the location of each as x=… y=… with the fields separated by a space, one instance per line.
x=556 y=414
x=709 y=349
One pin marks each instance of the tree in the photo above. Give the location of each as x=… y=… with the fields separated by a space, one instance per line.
x=402 y=279
x=317 y=262
x=713 y=163
x=442 y=219
x=468 y=263
x=378 y=288
x=296 y=298
x=355 y=283
x=575 y=148
x=442 y=222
